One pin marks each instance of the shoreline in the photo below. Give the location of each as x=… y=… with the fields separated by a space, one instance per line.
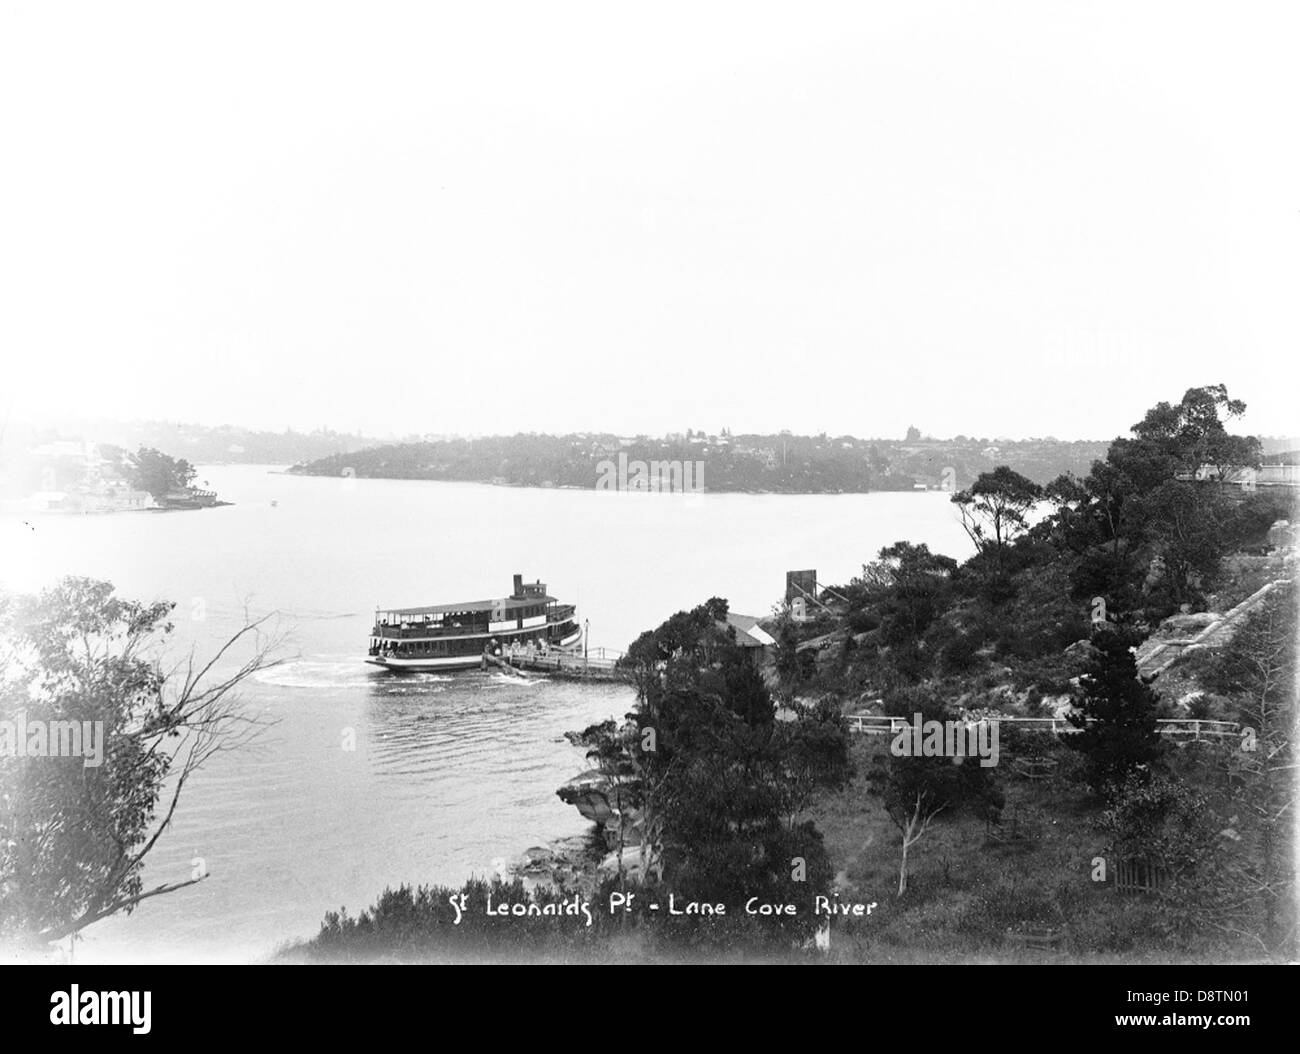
x=628 y=490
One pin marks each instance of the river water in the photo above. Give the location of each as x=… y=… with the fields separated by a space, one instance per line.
x=366 y=780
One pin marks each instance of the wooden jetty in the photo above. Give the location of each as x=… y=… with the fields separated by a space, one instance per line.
x=598 y=664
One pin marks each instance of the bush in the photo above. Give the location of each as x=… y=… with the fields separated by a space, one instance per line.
x=1007 y=905
x=1248 y=522
x=960 y=654
x=863 y=621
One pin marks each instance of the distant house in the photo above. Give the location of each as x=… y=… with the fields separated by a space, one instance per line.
x=188 y=498
x=1267 y=475
x=750 y=635
x=49 y=500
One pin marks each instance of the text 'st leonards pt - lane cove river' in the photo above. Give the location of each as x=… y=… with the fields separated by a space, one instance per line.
x=449 y=773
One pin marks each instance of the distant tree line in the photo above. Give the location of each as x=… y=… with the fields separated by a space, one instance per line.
x=781 y=463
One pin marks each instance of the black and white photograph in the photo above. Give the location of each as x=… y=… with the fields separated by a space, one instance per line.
x=681 y=484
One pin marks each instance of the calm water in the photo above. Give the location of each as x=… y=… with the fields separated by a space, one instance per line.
x=452 y=773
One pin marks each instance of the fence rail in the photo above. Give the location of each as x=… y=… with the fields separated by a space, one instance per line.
x=1196 y=728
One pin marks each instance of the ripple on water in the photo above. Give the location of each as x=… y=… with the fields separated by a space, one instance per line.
x=310 y=673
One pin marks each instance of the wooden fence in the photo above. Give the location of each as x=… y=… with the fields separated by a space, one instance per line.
x=1192 y=728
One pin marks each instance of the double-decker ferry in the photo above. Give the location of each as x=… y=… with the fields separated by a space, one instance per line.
x=459 y=636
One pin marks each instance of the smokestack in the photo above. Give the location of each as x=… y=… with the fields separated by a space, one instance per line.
x=519 y=585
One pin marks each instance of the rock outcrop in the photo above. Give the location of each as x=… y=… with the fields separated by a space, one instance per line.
x=1180 y=634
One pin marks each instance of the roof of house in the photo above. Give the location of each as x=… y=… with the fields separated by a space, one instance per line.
x=749 y=634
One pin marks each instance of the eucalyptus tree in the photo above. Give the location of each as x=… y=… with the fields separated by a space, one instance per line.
x=77 y=826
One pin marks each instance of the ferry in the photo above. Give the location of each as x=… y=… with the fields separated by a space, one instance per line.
x=473 y=632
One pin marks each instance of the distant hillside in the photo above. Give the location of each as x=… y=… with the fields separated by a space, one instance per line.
x=1278 y=445
x=780 y=463
x=198 y=444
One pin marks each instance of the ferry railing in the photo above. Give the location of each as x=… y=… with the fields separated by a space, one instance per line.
x=414 y=631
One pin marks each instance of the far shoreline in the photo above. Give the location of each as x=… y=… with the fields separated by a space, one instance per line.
x=701 y=492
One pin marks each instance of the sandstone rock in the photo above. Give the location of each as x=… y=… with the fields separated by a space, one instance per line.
x=582 y=785
x=631 y=864
x=1082 y=650
x=536 y=860
x=1187 y=625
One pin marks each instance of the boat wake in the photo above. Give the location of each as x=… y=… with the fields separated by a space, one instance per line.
x=306 y=673
x=514 y=680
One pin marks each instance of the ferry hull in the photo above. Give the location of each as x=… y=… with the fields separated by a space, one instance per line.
x=435 y=664
x=426 y=665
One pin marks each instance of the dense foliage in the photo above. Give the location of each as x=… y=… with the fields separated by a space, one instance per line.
x=158 y=473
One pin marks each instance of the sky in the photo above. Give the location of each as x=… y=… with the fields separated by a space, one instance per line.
x=994 y=219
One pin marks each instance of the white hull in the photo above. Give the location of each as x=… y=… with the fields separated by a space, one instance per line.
x=457 y=662
x=430 y=664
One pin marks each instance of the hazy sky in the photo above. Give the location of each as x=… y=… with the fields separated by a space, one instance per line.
x=986 y=218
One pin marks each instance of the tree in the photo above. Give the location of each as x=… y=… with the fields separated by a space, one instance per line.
x=614 y=755
x=1185 y=523
x=722 y=794
x=996 y=508
x=691 y=635
x=787 y=651
x=815 y=753
x=916 y=590
x=915 y=790
x=718 y=779
x=1157 y=818
x=74 y=836
x=1145 y=501
x=1193 y=433
x=158 y=473
x=912 y=804
x=1116 y=716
